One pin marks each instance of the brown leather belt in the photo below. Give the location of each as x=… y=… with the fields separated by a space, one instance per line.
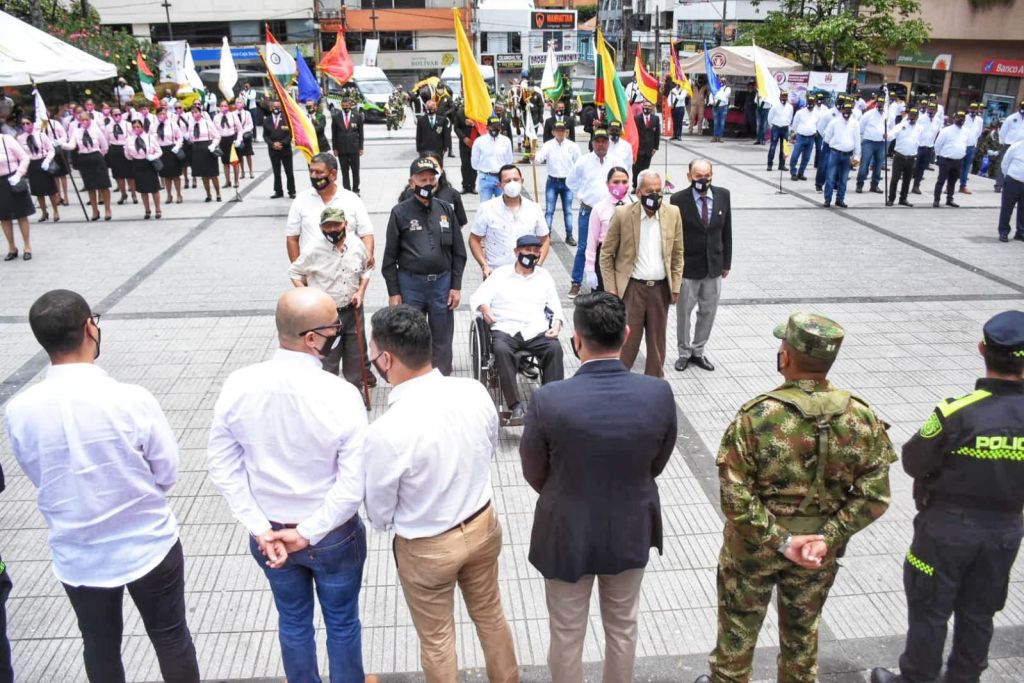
x=473 y=516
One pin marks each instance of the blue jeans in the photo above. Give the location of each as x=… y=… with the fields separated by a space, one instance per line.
x=335 y=567
x=965 y=170
x=838 y=173
x=488 y=186
x=581 y=246
x=762 y=123
x=553 y=190
x=872 y=153
x=801 y=154
x=719 y=116
x=779 y=133
x=431 y=297
x=822 y=172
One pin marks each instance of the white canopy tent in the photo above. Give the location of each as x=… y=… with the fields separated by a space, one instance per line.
x=738 y=60
x=28 y=54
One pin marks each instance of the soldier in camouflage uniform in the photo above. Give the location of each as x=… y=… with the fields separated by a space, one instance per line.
x=802 y=468
x=391 y=110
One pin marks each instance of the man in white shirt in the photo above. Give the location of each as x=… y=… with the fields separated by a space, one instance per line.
x=843 y=137
x=428 y=478
x=103 y=457
x=514 y=302
x=974 y=126
x=1010 y=132
x=930 y=130
x=490 y=153
x=720 y=109
x=560 y=155
x=1013 y=192
x=286 y=452
x=950 y=149
x=501 y=221
x=619 y=148
x=123 y=92
x=589 y=182
x=872 y=133
x=780 y=116
x=805 y=126
x=826 y=115
x=905 y=144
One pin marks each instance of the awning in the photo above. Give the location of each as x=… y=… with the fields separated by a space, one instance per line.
x=737 y=60
x=28 y=54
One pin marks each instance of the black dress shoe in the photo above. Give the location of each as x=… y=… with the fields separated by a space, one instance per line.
x=769 y=167
x=27 y=256
x=877 y=190
x=291 y=195
x=860 y=190
x=1004 y=238
x=950 y=202
x=935 y=204
x=571 y=241
x=841 y=204
x=888 y=202
x=783 y=168
x=801 y=177
x=1019 y=237
x=904 y=202
x=681 y=364
x=11 y=255
x=702 y=363
x=827 y=204
x=881 y=675
x=277 y=195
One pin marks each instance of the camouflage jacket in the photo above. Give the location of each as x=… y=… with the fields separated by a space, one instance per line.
x=767 y=464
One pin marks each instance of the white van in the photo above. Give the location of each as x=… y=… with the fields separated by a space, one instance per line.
x=374 y=87
x=452 y=77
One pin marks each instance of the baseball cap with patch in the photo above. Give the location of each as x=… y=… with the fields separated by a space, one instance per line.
x=815 y=335
x=614 y=125
x=600 y=133
x=493 y=120
x=1005 y=331
x=559 y=125
x=332 y=214
x=423 y=164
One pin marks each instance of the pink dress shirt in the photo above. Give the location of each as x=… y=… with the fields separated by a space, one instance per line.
x=112 y=137
x=98 y=141
x=151 y=150
x=600 y=218
x=13 y=157
x=44 y=148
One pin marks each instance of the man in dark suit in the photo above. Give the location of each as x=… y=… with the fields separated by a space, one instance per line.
x=446 y=108
x=431 y=131
x=560 y=115
x=707 y=259
x=278 y=136
x=347 y=134
x=599 y=513
x=464 y=132
x=648 y=126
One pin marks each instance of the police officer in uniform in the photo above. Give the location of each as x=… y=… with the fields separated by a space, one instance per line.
x=424 y=257
x=802 y=468
x=967 y=462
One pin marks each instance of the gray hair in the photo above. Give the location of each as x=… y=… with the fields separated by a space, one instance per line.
x=327 y=159
x=694 y=162
x=641 y=178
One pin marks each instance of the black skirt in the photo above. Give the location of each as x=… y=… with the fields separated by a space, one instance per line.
x=120 y=166
x=14 y=205
x=245 y=145
x=40 y=182
x=172 y=167
x=146 y=180
x=94 y=171
x=204 y=163
x=60 y=164
x=225 y=148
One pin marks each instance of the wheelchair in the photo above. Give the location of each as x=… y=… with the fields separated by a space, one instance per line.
x=485 y=368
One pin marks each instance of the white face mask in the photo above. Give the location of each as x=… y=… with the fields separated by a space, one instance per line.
x=513 y=189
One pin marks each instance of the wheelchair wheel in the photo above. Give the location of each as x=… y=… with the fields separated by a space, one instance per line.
x=478 y=351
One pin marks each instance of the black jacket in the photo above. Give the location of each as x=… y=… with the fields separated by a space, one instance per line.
x=650 y=136
x=570 y=124
x=424 y=240
x=707 y=250
x=431 y=138
x=599 y=510
x=347 y=140
x=282 y=133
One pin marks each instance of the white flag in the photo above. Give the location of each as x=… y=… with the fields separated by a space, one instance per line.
x=281 y=64
x=195 y=83
x=547 y=79
x=40 y=107
x=228 y=72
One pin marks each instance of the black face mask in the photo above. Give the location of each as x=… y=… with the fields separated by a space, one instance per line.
x=493 y=132
x=778 y=361
x=335 y=237
x=528 y=261
x=330 y=343
x=425 y=191
x=702 y=185
x=575 y=351
x=380 y=371
x=614 y=137
x=652 y=202
x=99 y=336
x=320 y=183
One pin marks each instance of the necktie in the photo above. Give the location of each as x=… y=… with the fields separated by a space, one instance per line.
x=704 y=210
x=117 y=130
x=32 y=146
x=140 y=145
x=86 y=139
x=195 y=130
x=647 y=122
x=346 y=119
x=224 y=121
x=160 y=130
x=277 y=121
x=145 y=125
x=431 y=121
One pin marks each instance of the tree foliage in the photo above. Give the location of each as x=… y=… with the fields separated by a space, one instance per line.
x=585 y=12
x=837 y=34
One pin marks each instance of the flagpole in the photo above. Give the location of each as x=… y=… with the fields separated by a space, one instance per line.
x=533 y=167
x=71 y=175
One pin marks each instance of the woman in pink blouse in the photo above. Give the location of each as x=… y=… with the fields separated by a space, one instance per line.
x=56 y=133
x=41 y=183
x=14 y=205
x=168 y=136
x=117 y=162
x=230 y=130
x=91 y=144
x=248 y=128
x=142 y=150
x=600 y=217
x=204 y=137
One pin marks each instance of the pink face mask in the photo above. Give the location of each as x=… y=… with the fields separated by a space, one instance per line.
x=161 y=117
x=224 y=110
x=85 y=123
x=618 y=191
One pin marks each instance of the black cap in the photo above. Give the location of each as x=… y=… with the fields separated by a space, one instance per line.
x=493 y=120
x=559 y=125
x=423 y=164
x=615 y=124
x=528 y=241
x=1005 y=332
x=600 y=133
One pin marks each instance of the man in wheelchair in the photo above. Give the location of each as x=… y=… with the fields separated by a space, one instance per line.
x=514 y=301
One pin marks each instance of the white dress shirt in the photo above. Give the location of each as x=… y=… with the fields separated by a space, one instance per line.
x=304 y=215
x=951 y=144
x=589 y=177
x=930 y=130
x=428 y=458
x=286 y=445
x=650 y=257
x=500 y=227
x=805 y=122
x=1013 y=161
x=973 y=128
x=103 y=456
x=825 y=118
x=559 y=156
x=906 y=135
x=872 y=126
x=1012 y=129
x=721 y=98
x=491 y=153
x=780 y=114
x=622 y=152
x=517 y=301
x=844 y=135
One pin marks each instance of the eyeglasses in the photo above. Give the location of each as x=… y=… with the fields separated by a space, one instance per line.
x=336 y=326
x=95 y=318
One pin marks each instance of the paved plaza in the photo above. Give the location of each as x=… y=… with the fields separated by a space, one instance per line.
x=188 y=299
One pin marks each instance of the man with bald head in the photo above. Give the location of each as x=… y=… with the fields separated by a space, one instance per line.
x=285 y=451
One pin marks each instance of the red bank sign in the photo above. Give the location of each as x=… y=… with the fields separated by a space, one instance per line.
x=1003 y=67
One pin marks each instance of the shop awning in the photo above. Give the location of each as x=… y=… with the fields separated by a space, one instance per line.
x=28 y=54
x=738 y=60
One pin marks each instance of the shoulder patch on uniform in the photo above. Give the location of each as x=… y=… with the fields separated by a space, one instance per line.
x=950 y=406
x=931 y=427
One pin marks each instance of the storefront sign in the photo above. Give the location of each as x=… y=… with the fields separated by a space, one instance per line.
x=942 y=62
x=512 y=61
x=1003 y=67
x=553 y=20
x=800 y=81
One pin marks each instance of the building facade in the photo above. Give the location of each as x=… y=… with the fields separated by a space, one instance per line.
x=514 y=35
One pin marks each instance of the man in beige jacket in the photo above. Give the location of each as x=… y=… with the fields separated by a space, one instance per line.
x=642 y=262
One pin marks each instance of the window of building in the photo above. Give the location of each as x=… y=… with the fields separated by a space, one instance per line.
x=698 y=31
x=405 y=4
x=964 y=89
x=553 y=37
x=390 y=41
x=923 y=81
x=515 y=42
x=197 y=33
x=1001 y=85
x=279 y=29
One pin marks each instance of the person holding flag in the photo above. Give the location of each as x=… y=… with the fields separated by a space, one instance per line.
x=720 y=95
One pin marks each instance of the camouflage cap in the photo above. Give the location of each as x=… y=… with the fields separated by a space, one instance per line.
x=812 y=334
x=332 y=214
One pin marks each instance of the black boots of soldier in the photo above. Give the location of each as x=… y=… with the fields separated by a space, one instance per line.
x=884 y=676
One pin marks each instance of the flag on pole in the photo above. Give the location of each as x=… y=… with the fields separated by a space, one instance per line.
x=228 y=72
x=146 y=78
x=37 y=103
x=676 y=71
x=646 y=84
x=278 y=59
x=303 y=133
x=767 y=86
x=233 y=159
x=309 y=89
x=552 y=82
x=714 y=84
x=336 y=63
x=608 y=92
x=476 y=99
x=191 y=74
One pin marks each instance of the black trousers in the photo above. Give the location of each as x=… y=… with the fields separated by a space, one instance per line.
x=678 y=114
x=349 y=355
x=6 y=672
x=959 y=563
x=279 y=158
x=902 y=171
x=949 y=173
x=160 y=599
x=1013 y=195
x=349 y=164
x=547 y=351
x=642 y=163
x=924 y=158
x=466 y=163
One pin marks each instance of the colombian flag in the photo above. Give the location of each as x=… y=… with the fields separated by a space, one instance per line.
x=609 y=93
x=645 y=82
x=303 y=133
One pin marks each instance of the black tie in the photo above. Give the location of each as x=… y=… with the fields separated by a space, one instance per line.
x=140 y=145
x=32 y=146
x=618 y=203
x=195 y=130
x=86 y=140
x=117 y=130
x=145 y=125
x=160 y=130
x=223 y=120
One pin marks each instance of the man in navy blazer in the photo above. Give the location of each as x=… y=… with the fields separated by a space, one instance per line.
x=592 y=447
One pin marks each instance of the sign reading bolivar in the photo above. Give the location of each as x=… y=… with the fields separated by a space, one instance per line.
x=553 y=20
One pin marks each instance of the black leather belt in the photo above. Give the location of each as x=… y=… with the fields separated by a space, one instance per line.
x=473 y=516
x=488 y=173
x=649 y=283
x=905 y=156
x=429 y=277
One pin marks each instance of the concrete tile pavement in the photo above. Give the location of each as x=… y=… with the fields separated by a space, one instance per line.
x=189 y=299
